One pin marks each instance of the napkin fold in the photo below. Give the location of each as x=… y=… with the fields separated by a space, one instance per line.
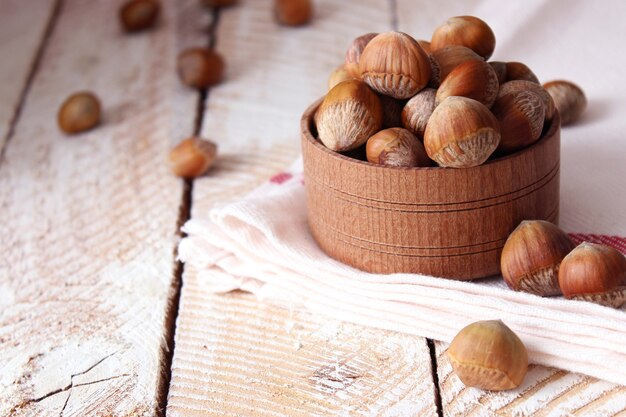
x=262 y=244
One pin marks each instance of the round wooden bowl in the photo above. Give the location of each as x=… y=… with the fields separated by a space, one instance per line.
x=437 y=221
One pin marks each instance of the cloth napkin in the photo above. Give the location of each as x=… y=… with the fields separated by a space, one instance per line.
x=262 y=244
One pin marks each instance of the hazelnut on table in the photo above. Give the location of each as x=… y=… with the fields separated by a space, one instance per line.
x=192 y=157
x=200 y=67
x=79 y=112
x=136 y=15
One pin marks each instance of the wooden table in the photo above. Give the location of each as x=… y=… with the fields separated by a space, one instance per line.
x=98 y=318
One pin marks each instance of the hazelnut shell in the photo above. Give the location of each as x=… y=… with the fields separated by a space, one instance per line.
x=293 y=12
x=467 y=31
x=200 y=67
x=417 y=111
x=448 y=58
x=488 y=355
x=521 y=115
x=136 y=15
x=531 y=257
x=461 y=133
x=596 y=273
x=472 y=79
x=394 y=64
x=569 y=100
x=396 y=147
x=349 y=114
x=79 y=112
x=192 y=157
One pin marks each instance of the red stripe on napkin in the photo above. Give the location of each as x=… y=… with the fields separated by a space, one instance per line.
x=617 y=242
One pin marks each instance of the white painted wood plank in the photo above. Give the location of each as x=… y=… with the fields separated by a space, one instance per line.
x=236 y=355
x=22 y=29
x=89 y=225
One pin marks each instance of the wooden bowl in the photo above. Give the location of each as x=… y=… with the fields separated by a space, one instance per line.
x=437 y=221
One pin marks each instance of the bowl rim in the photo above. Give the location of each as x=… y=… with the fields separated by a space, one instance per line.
x=308 y=118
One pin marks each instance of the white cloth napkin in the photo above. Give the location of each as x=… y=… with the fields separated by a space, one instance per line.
x=262 y=244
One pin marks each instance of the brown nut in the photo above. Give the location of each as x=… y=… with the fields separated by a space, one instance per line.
x=472 y=79
x=531 y=257
x=192 y=157
x=392 y=111
x=500 y=69
x=524 y=85
x=200 y=67
x=219 y=3
x=340 y=74
x=595 y=273
x=396 y=147
x=466 y=143
x=353 y=54
x=519 y=71
x=569 y=100
x=349 y=114
x=521 y=115
x=448 y=58
x=293 y=12
x=394 y=64
x=79 y=112
x=136 y=15
x=417 y=111
x=488 y=355
x=466 y=31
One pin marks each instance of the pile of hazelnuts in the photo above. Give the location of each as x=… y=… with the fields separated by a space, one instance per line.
x=403 y=102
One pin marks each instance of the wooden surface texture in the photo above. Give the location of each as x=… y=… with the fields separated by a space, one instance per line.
x=89 y=283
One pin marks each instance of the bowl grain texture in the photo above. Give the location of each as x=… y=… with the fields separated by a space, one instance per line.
x=436 y=221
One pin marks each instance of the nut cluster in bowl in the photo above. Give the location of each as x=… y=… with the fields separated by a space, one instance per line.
x=413 y=103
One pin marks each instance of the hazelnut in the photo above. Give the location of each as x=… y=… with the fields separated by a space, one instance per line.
x=569 y=100
x=449 y=58
x=394 y=64
x=466 y=31
x=500 y=68
x=392 y=111
x=396 y=147
x=338 y=75
x=595 y=273
x=519 y=71
x=418 y=110
x=293 y=12
x=200 y=67
x=353 y=54
x=466 y=142
x=531 y=257
x=521 y=115
x=473 y=79
x=488 y=355
x=192 y=157
x=79 y=112
x=136 y=15
x=524 y=85
x=349 y=114
x=219 y=3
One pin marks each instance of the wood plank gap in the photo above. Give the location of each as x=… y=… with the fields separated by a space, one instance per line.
x=433 y=364
x=56 y=11
x=184 y=215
